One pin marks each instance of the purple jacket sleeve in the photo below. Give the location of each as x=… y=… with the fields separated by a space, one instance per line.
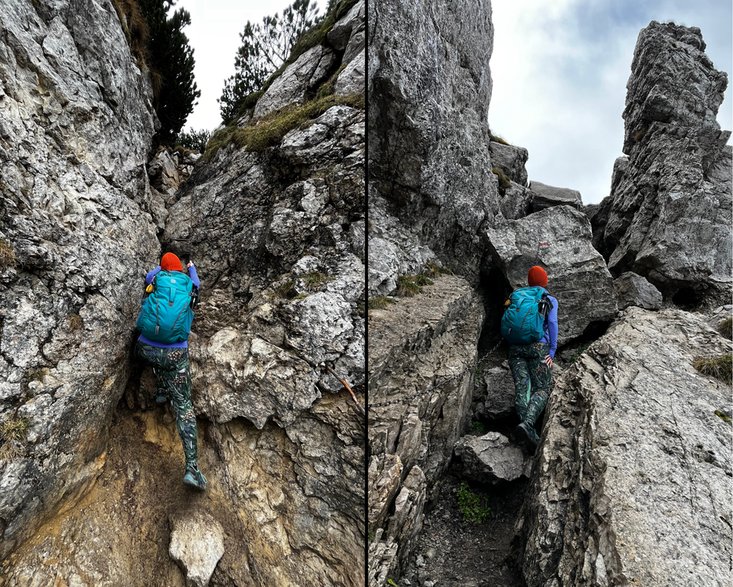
x=193 y=274
x=151 y=275
x=552 y=326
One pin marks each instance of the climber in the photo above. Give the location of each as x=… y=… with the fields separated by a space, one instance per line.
x=530 y=327
x=165 y=323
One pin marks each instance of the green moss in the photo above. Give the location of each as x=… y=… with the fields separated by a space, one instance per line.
x=724 y=416
x=380 y=302
x=391 y=582
x=720 y=367
x=270 y=130
x=504 y=182
x=478 y=428
x=7 y=254
x=473 y=507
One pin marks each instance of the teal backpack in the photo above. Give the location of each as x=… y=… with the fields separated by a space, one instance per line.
x=166 y=314
x=524 y=320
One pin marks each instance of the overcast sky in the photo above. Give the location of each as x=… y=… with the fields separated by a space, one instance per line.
x=560 y=69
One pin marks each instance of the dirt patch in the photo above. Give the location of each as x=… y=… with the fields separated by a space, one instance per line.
x=453 y=552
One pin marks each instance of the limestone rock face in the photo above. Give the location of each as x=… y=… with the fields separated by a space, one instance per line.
x=302 y=76
x=491 y=458
x=559 y=239
x=279 y=243
x=429 y=89
x=632 y=480
x=668 y=215
x=422 y=355
x=634 y=290
x=77 y=236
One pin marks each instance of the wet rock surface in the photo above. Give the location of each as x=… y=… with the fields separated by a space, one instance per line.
x=671 y=198
x=631 y=484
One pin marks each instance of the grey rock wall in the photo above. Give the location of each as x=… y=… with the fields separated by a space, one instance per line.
x=75 y=130
x=422 y=354
x=429 y=87
x=671 y=199
x=633 y=477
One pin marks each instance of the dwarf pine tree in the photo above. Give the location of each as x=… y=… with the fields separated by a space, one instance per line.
x=172 y=63
x=265 y=47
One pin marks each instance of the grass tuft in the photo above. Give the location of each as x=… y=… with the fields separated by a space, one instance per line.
x=724 y=416
x=135 y=28
x=478 y=428
x=271 y=129
x=380 y=302
x=76 y=322
x=498 y=139
x=286 y=290
x=473 y=507
x=13 y=432
x=315 y=279
x=726 y=328
x=411 y=285
x=432 y=269
x=720 y=367
x=7 y=254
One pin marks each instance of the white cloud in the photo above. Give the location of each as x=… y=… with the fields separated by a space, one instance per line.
x=559 y=75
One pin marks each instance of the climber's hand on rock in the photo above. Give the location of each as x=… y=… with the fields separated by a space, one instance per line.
x=548 y=361
x=189 y=264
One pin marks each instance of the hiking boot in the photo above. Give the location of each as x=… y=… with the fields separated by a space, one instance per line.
x=195 y=478
x=525 y=434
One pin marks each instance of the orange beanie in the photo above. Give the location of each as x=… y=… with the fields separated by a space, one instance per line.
x=170 y=262
x=537 y=276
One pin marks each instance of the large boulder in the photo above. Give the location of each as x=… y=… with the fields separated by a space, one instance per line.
x=422 y=356
x=632 y=480
x=559 y=239
x=76 y=236
x=672 y=199
x=429 y=90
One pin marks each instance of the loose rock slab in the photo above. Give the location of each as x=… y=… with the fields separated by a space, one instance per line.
x=635 y=290
x=197 y=544
x=491 y=458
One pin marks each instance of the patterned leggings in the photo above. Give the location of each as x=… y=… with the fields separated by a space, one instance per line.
x=173 y=376
x=532 y=378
